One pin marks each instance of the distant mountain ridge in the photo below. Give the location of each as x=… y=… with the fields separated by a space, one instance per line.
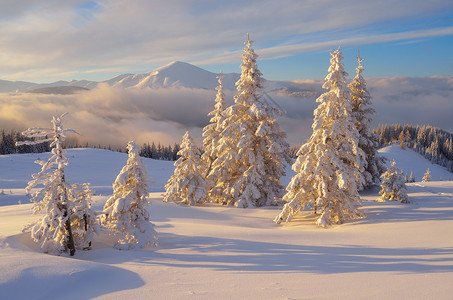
x=59 y=90
x=174 y=74
x=181 y=74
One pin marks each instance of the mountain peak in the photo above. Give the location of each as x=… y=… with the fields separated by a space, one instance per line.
x=178 y=74
x=179 y=66
x=176 y=63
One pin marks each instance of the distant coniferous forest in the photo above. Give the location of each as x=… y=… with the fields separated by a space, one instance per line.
x=8 y=144
x=9 y=138
x=433 y=143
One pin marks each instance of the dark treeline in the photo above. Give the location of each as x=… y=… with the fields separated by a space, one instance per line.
x=8 y=144
x=9 y=138
x=160 y=152
x=433 y=143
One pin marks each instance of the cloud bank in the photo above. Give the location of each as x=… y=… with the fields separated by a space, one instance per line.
x=113 y=116
x=414 y=101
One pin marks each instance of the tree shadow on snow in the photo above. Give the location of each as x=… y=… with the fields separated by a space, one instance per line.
x=166 y=211
x=241 y=255
x=45 y=276
x=422 y=208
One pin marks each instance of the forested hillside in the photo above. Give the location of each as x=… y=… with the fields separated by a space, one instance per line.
x=432 y=142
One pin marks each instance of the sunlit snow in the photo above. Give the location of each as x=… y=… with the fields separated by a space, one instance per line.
x=400 y=251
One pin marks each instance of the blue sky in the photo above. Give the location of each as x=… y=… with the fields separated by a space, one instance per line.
x=49 y=40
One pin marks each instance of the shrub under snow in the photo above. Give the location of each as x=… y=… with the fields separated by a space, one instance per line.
x=393 y=186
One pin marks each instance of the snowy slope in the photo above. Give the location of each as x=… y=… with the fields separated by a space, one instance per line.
x=214 y=252
x=96 y=166
x=411 y=161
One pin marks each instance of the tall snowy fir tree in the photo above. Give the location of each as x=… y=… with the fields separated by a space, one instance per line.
x=328 y=166
x=393 y=186
x=368 y=141
x=187 y=185
x=211 y=133
x=252 y=147
x=53 y=230
x=125 y=212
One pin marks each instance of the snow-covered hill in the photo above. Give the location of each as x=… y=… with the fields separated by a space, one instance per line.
x=96 y=166
x=410 y=161
x=400 y=251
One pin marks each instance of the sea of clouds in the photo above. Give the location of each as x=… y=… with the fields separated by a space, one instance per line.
x=110 y=115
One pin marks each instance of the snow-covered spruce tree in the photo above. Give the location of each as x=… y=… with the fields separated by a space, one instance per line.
x=252 y=147
x=53 y=231
x=393 y=186
x=211 y=133
x=427 y=176
x=125 y=212
x=368 y=141
x=328 y=166
x=187 y=185
x=84 y=222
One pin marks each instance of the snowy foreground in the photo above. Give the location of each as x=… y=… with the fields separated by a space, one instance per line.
x=400 y=251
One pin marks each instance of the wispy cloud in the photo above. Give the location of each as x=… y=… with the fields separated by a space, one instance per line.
x=288 y=50
x=57 y=37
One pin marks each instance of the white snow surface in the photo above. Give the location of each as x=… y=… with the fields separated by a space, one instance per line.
x=410 y=161
x=400 y=251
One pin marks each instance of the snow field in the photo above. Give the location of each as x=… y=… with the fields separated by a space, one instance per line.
x=215 y=252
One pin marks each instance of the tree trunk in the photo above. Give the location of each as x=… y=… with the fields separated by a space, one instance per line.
x=70 y=245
